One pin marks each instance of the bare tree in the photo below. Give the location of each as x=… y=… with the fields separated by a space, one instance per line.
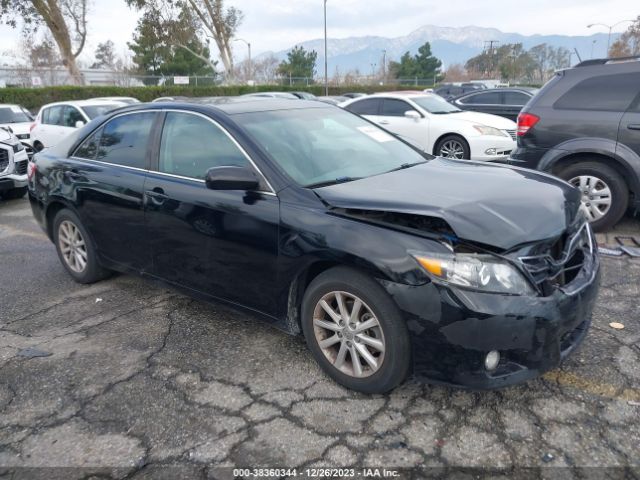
x=65 y=19
x=456 y=73
x=629 y=42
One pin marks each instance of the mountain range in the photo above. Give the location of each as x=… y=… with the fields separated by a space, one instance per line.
x=449 y=44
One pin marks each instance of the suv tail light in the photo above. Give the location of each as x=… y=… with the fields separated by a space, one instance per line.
x=526 y=121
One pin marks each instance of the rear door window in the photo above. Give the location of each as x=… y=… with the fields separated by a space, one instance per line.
x=515 y=98
x=612 y=93
x=53 y=115
x=369 y=106
x=486 y=98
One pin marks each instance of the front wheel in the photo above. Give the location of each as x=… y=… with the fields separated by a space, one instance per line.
x=605 y=195
x=75 y=248
x=355 y=331
x=453 y=146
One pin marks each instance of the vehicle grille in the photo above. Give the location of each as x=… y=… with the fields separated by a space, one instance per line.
x=563 y=261
x=21 y=167
x=4 y=159
x=512 y=134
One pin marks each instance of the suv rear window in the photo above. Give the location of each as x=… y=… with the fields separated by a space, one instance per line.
x=611 y=93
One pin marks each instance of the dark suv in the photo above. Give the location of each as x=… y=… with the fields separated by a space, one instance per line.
x=584 y=126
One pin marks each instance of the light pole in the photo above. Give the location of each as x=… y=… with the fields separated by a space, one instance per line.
x=384 y=66
x=610 y=27
x=249 y=47
x=326 y=67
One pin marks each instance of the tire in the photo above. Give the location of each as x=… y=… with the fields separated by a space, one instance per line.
x=453 y=140
x=92 y=271
x=14 y=193
x=602 y=176
x=393 y=361
x=37 y=146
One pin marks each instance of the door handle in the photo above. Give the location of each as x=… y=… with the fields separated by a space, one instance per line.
x=634 y=126
x=384 y=122
x=157 y=196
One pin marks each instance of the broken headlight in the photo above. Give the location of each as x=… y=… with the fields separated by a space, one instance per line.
x=475 y=271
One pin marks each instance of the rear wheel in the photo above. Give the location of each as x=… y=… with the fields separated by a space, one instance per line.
x=14 y=193
x=605 y=195
x=453 y=146
x=75 y=248
x=355 y=331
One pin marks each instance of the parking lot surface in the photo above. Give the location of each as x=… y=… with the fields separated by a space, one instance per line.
x=126 y=376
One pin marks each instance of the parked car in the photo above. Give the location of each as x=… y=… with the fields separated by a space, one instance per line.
x=380 y=261
x=19 y=120
x=57 y=120
x=13 y=166
x=304 y=95
x=449 y=91
x=281 y=95
x=584 y=126
x=506 y=102
x=439 y=127
x=125 y=100
x=333 y=99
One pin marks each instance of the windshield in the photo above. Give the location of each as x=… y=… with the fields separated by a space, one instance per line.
x=94 y=111
x=435 y=104
x=320 y=146
x=14 y=115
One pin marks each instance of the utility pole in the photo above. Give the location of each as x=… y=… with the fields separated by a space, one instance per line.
x=491 y=43
x=326 y=63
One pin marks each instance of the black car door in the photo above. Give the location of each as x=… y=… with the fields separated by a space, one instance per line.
x=107 y=174
x=513 y=103
x=220 y=243
x=485 y=102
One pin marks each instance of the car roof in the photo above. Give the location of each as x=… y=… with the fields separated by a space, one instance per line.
x=237 y=105
x=403 y=95
x=82 y=103
x=501 y=89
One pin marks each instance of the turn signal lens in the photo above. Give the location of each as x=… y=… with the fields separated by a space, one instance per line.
x=431 y=265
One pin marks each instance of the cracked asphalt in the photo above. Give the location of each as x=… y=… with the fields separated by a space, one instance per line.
x=138 y=381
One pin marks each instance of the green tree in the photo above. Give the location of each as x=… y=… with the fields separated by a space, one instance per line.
x=422 y=65
x=105 y=55
x=155 y=55
x=299 y=63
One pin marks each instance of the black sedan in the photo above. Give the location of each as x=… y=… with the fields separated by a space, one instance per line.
x=506 y=102
x=389 y=261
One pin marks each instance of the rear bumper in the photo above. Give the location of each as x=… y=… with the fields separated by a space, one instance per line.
x=452 y=330
x=527 y=157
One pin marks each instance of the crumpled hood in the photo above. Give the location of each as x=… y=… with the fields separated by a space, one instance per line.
x=494 y=121
x=481 y=202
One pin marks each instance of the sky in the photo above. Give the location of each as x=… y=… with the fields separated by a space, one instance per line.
x=272 y=25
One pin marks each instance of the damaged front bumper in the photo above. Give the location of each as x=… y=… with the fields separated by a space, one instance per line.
x=453 y=330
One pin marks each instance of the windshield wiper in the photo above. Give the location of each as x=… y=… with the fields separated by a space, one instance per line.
x=335 y=181
x=406 y=165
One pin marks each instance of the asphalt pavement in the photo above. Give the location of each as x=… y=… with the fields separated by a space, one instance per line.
x=130 y=379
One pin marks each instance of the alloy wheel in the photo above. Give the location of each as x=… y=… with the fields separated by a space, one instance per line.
x=452 y=149
x=72 y=246
x=596 y=196
x=349 y=334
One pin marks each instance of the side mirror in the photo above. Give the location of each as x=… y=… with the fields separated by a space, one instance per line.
x=231 y=178
x=79 y=124
x=413 y=115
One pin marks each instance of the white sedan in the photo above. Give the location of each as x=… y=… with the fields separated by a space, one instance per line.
x=57 y=120
x=437 y=126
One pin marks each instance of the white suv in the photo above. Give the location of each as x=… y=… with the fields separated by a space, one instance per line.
x=57 y=120
x=13 y=166
x=437 y=126
x=19 y=120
